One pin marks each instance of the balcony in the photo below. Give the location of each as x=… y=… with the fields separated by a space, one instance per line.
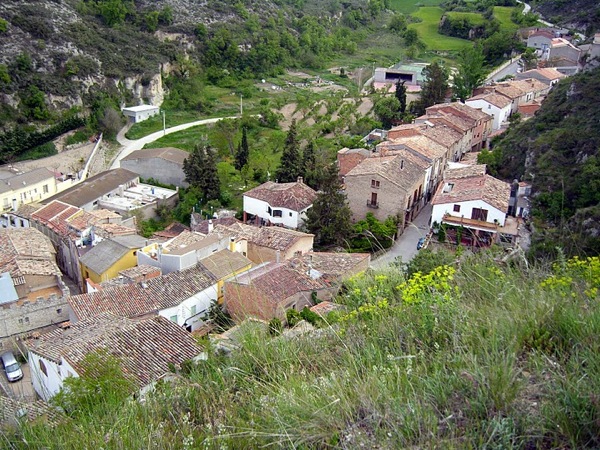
x=372 y=204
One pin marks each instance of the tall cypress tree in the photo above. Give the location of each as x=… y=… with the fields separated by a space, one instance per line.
x=290 y=167
x=212 y=189
x=401 y=95
x=309 y=165
x=243 y=152
x=193 y=166
x=329 y=218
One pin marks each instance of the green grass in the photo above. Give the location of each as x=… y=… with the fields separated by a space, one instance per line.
x=474 y=18
x=428 y=31
x=502 y=13
x=410 y=6
x=487 y=356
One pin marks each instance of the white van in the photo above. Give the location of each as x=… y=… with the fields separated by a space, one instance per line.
x=11 y=367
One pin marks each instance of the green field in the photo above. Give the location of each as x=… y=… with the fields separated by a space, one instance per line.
x=428 y=31
x=474 y=18
x=502 y=13
x=410 y=6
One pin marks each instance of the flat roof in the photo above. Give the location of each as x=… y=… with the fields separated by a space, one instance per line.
x=140 y=108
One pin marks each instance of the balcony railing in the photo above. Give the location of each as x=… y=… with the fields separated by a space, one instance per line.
x=372 y=204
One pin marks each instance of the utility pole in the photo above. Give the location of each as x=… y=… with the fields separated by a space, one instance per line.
x=241 y=105
x=164 y=123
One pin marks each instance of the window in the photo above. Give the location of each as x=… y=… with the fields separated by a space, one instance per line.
x=193 y=310
x=59 y=310
x=489 y=106
x=479 y=214
x=135 y=253
x=45 y=189
x=43 y=368
x=291 y=214
x=456 y=208
x=26 y=319
x=277 y=213
x=269 y=210
x=173 y=318
x=375 y=184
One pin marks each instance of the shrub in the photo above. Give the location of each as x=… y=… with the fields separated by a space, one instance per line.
x=275 y=327
x=311 y=317
x=292 y=317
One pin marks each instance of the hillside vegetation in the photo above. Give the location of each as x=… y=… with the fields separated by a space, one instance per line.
x=558 y=150
x=473 y=355
x=583 y=14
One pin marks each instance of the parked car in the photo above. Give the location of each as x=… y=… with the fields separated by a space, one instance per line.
x=421 y=243
x=11 y=367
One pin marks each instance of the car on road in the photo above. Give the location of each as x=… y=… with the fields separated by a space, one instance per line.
x=421 y=243
x=11 y=367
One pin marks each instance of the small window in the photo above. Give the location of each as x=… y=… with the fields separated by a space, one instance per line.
x=456 y=208
x=173 y=318
x=45 y=189
x=135 y=253
x=291 y=214
x=277 y=213
x=269 y=210
x=489 y=106
x=374 y=183
x=26 y=319
x=59 y=310
x=43 y=368
x=193 y=310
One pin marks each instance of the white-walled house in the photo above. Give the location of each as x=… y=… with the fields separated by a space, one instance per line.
x=282 y=204
x=470 y=199
x=494 y=104
x=183 y=297
x=146 y=350
x=140 y=113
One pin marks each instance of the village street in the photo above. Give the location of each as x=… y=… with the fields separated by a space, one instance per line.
x=406 y=245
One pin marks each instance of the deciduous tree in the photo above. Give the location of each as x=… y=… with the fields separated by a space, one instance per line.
x=471 y=72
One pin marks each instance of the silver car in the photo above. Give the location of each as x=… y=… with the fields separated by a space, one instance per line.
x=11 y=367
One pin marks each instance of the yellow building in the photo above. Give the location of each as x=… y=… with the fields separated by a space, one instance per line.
x=28 y=187
x=105 y=260
x=224 y=265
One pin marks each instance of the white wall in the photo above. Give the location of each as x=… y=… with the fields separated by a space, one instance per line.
x=500 y=115
x=289 y=218
x=48 y=386
x=466 y=208
x=183 y=311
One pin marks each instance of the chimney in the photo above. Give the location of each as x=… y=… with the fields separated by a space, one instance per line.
x=232 y=244
x=277 y=255
x=210 y=225
x=300 y=180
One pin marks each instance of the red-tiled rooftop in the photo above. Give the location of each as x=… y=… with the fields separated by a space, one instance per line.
x=145 y=348
x=295 y=196
x=487 y=188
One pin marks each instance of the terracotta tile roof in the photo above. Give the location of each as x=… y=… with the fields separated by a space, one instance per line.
x=335 y=265
x=422 y=145
x=547 y=72
x=145 y=348
x=173 y=230
x=21 y=180
x=95 y=187
x=544 y=33
x=105 y=214
x=498 y=100
x=201 y=225
x=399 y=170
x=135 y=300
x=225 y=263
x=487 y=188
x=509 y=90
x=135 y=274
x=168 y=153
x=294 y=196
x=279 y=281
x=462 y=124
x=13 y=411
x=458 y=109
x=183 y=240
x=108 y=230
x=530 y=85
x=475 y=170
x=27 y=210
x=26 y=251
x=438 y=132
x=276 y=238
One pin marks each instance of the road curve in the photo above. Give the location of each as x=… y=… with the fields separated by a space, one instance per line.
x=129 y=146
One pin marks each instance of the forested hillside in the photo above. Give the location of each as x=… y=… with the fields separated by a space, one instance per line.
x=582 y=14
x=559 y=152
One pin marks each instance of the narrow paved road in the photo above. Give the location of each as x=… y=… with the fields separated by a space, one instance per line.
x=406 y=245
x=128 y=146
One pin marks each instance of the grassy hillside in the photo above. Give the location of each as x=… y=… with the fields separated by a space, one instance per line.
x=475 y=356
x=428 y=31
x=558 y=150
